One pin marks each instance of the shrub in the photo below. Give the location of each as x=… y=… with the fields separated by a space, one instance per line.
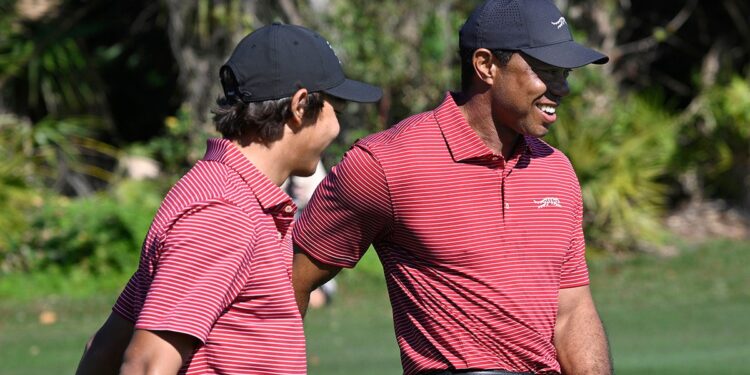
x=97 y=234
x=620 y=146
x=714 y=141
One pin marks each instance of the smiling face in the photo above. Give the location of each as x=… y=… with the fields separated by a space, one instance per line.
x=526 y=93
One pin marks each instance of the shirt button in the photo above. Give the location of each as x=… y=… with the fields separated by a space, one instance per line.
x=288 y=209
x=507 y=206
x=495 y=158
x=280 y=235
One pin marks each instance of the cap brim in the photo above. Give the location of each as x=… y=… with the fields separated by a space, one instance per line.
x=566 y=55
x=356 y=91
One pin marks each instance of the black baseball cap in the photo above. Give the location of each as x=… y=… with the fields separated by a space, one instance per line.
x=276 y=60
x=534 y=27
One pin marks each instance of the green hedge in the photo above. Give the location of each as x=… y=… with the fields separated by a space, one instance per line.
x=100 y=233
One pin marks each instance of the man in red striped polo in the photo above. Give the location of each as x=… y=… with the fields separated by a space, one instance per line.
x=212 y=293
x=478 y=222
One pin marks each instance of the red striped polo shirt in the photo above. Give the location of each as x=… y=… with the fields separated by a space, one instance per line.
x=474 y=248
x=216 y=265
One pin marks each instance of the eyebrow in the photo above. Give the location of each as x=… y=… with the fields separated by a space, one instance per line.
x=536 y=62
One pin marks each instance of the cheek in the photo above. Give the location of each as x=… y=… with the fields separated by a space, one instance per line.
x=331 y=127
x=328 y=129
x=537 y=86
x=335 y=128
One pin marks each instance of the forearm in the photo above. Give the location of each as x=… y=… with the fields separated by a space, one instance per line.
x=581 y=341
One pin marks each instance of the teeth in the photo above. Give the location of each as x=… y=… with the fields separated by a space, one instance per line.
x=547 y=109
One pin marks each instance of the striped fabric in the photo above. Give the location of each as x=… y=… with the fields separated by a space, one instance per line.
x=475 y=248
x=216 y=265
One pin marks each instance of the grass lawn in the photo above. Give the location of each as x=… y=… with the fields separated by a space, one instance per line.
x=45 y=335
x=354 y=335
x=688 y=314
x=684 y=315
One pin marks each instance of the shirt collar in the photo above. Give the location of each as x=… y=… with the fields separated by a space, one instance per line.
x=270 y=197
x=462 y=141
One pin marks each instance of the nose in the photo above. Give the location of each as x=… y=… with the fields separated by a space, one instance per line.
x=557 y=85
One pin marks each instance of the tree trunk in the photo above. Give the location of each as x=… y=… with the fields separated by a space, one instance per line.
x=201 y=44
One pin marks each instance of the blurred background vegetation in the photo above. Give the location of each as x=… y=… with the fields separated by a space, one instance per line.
x=101 y=102
x=104 y=104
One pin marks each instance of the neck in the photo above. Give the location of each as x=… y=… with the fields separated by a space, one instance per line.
x=267 y=158
x=477 y=110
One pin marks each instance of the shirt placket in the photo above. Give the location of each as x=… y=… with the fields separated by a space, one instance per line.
x=506 y=172
x=498 y=165
x=504 y=169
x=283 y=218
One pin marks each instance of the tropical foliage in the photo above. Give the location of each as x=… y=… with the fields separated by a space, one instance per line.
x=83 y=85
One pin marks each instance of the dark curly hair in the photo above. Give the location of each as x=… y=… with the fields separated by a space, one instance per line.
x=467 y=67
x=261 y=122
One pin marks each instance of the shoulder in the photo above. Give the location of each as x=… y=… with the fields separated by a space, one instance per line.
x=549 y=161
x=404 y=132
x=215 y=213
x=542 y=151
x=212 y=224
x=205 y=180
x=209 y=198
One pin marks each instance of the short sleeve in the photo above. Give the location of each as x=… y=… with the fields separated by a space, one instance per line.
x=349 y=210
x=203 y=266
x=574 y=269
x=124 y=304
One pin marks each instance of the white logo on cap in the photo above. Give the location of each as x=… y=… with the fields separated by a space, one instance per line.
x=334 y=52
x=560 y=23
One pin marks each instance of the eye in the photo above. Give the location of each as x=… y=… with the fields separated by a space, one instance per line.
x=550 y=72
x=338 y=105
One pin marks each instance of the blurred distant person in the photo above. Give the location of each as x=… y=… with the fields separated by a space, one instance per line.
x=301 y=188
x=477 y=221
x=213 y=293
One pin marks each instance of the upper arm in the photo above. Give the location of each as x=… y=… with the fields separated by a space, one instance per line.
x=580 y=339
x=573 y=301
x=307 y=274
x=575 y=309
x=350 y=209
x=574 y=271
x=157 y=352
x=103 y=353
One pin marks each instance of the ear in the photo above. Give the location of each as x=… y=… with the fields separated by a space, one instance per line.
x=299 y=100
x=483 y=61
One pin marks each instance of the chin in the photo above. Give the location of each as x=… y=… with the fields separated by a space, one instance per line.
x=537 y=133
x=541 y=131
x=305 y=172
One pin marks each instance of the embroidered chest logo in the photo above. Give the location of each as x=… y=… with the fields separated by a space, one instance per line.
x=559 y=23
x=547 y=202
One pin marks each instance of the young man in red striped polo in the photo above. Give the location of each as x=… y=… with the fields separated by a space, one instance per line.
x=476 y=220
x=213 y=292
